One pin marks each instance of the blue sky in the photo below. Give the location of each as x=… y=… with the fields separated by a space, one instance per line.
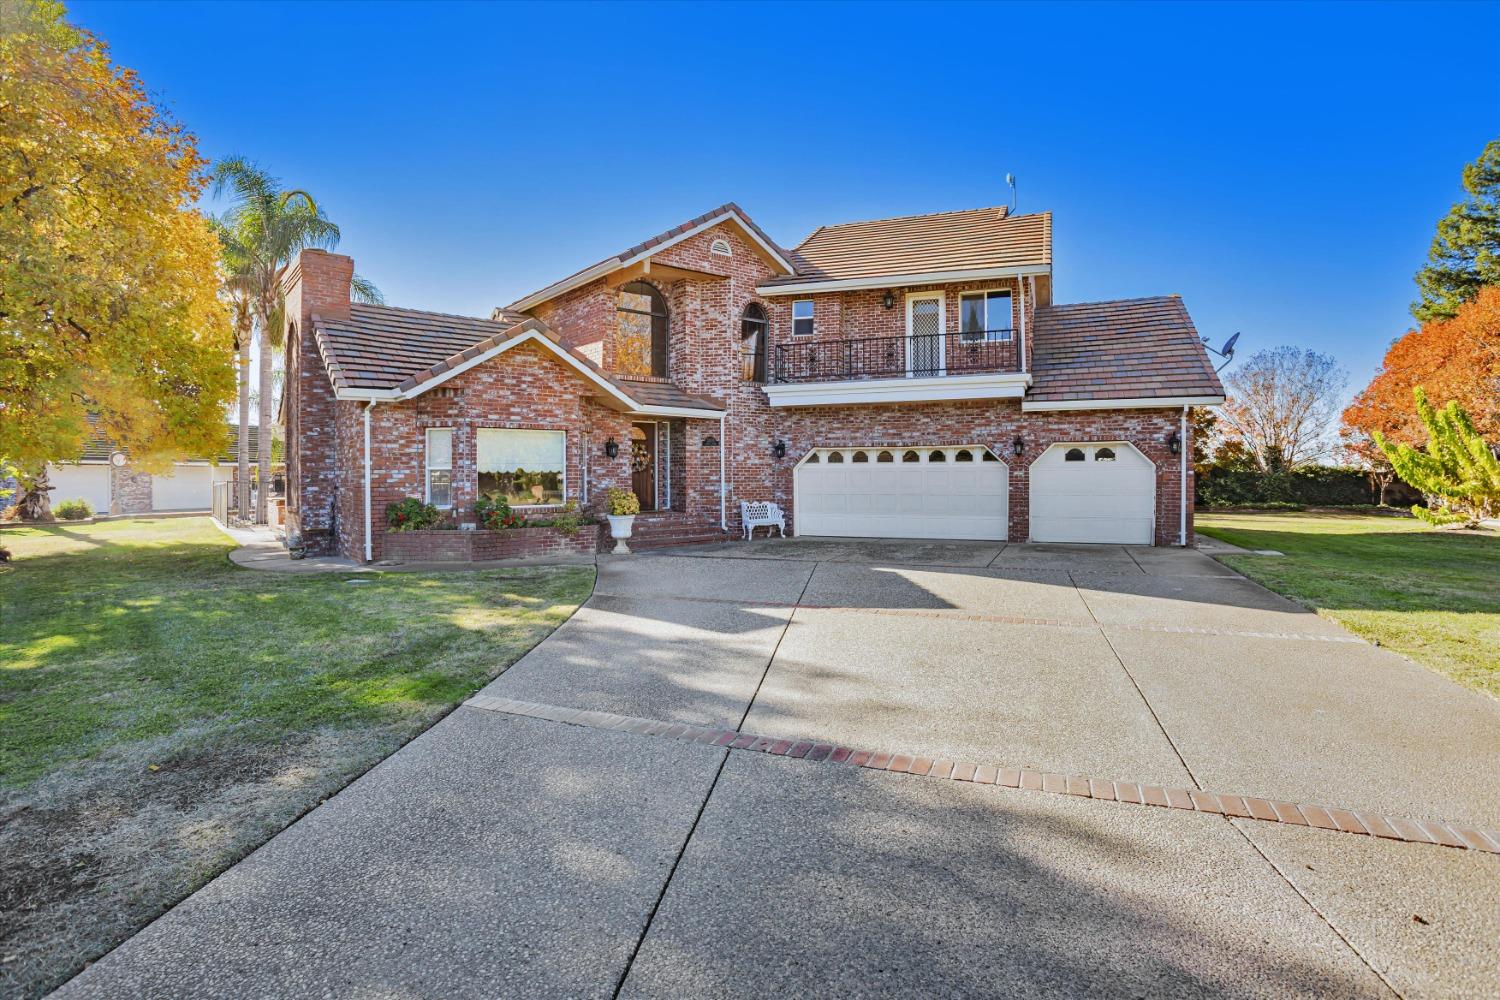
x=1282 y=167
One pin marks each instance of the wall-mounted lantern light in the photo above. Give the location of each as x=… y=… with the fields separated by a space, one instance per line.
x=710 y=442
x=610 y=448
x=1018 y=446
x=1174 y=443
x=779 y=449
x=889 y=301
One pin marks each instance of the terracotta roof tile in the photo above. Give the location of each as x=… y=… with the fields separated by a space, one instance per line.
x=1129 y=348
x=946 y=241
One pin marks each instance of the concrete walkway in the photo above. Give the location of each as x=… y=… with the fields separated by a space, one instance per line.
x=505 y=854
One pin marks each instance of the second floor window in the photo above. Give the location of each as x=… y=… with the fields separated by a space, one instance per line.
x=643 y=323
x=802 y=318
x=984 y=316
x=753 y=337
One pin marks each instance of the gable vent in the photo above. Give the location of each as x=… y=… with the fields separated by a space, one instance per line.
x=721 y=248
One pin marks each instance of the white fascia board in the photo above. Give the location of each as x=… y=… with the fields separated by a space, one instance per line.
x=940 y=388
x=614 y=263
x=898 y=280
x=678 y=411
x=1136 y=403
x=365 y=395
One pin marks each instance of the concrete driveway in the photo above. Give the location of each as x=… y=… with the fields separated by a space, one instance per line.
x=677 y=794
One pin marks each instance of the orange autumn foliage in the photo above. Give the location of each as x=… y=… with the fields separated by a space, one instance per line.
x=1454 y=360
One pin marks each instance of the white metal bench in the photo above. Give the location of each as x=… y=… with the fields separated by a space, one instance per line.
x=756 y=514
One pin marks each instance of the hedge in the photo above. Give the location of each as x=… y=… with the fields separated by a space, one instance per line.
x=1314 y=486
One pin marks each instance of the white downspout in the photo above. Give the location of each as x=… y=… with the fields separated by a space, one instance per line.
x=1021 y=288
x=723 y=484
x=369 y=542
x=1182 y=449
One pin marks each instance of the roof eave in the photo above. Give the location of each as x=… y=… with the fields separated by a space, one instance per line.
x=897 y=280
x=1123 y=403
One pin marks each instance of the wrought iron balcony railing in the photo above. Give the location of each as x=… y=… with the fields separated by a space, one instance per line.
x=922 y=356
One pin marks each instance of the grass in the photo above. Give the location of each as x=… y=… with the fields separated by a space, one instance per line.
x=1431 y=595
x=163 y=712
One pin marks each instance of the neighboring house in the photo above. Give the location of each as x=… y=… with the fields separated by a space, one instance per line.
x=104 y=477
x=905 y=377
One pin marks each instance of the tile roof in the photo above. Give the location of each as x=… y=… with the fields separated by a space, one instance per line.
x=1129 y=348
x=387 y=348
x=98 y=448
x=915 y=244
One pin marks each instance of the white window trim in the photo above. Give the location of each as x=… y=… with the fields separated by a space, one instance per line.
x=813 y=319
x=1009 y=320
x=427 y=467
x=544 y=430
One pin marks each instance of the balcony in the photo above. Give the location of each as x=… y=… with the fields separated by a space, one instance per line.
x=983 y=364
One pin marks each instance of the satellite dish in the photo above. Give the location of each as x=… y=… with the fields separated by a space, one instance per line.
x=1011 y=180
x=1228 y=351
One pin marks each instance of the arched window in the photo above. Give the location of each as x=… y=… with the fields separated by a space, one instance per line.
x=936 y=456
x=813 y=459
x=835 y=457
x=642 y=315
x=989 y=456
x=884 y=456
x=911 y=456
x=1104 y=455
x=1074 y=455
x=860 y=456
x=964 y=456
x=753 y=343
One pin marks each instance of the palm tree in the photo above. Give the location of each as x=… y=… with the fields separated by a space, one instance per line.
x=263 y=230
x=240 y=293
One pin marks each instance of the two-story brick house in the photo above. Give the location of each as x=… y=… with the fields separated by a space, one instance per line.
x=905 y=377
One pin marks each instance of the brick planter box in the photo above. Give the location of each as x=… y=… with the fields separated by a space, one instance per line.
x=484 y=545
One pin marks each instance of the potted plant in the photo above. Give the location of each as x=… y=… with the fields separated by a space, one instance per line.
x=623 y=506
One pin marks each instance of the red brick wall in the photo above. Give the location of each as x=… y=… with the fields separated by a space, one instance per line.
x=482 y=545
x=524 y=388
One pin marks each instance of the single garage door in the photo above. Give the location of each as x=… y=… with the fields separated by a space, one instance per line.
x=188 y=487
x=1101 y=491
x=908 y=492
x=91 y=482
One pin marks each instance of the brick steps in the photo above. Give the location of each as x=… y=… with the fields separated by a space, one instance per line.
x=665 y=530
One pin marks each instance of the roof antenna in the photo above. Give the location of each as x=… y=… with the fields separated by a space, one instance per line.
x=1227 y=353
x=1011 y=180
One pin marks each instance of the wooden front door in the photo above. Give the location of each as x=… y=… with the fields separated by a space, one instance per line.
x=643 y=463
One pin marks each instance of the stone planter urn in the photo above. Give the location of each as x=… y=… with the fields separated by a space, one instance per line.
x=620 y=526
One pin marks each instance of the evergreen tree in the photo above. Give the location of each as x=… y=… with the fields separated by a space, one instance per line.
x=1465 y=254
x=1457 y=471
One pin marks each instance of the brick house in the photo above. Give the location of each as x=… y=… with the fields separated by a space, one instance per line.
x=905 y=377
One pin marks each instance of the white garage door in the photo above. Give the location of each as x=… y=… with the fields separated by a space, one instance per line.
x=915 y=492
x=1102 y=491
x=188 y=487
x=91 y=482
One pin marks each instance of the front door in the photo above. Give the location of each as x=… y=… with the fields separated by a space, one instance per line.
x=924 y=334
x=643 y=464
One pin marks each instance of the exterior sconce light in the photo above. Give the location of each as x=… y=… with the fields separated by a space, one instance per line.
x=610 y=448
x=779 y=449
x=1018 y=446
x=710 y=442
x=1174 y=443
x=889 y=301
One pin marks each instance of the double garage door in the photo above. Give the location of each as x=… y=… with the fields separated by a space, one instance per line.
x=186 y=487
x=1084 y=492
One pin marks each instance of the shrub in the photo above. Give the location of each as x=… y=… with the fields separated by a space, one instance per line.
x=411 y=514
x=4 y=554
x=493 y=511
x=623 y=503
x=1313 y=486
x=73 y=510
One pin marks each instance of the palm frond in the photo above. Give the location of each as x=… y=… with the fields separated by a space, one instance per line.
x=362 y=289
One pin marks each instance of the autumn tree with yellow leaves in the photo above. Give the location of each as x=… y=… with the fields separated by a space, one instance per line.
x=109 y=282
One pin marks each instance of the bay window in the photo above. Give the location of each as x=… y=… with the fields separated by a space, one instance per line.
x=523 y=468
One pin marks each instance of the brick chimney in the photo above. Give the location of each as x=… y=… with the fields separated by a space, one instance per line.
x=316 y=284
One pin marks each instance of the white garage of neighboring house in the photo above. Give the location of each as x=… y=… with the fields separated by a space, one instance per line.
x=958 y=491
x=1102 y=491
x=105 y=479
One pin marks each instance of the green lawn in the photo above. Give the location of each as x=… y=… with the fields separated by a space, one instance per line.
x=163 y=711
x=1431 y=595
